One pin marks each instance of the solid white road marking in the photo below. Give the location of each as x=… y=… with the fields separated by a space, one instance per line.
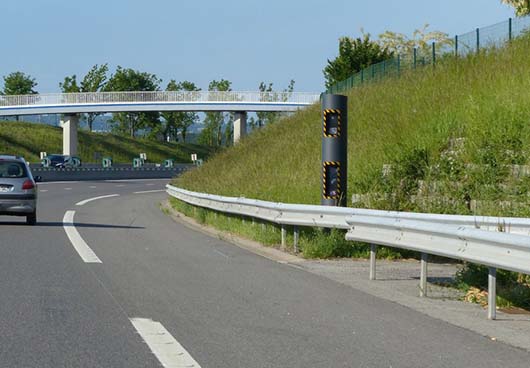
x=95 y=198
x=67 y=188
x=43 y=190
x=86 y=254
x=150 y=191
x=164 y=346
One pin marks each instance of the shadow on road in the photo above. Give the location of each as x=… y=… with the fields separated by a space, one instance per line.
x=77 y=224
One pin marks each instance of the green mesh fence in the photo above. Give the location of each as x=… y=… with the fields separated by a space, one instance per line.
x=482 y=38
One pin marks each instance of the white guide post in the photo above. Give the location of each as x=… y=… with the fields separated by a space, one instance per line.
x=69 y=124
x=240 y=125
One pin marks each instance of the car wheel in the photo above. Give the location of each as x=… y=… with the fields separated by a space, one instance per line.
x=31 y=219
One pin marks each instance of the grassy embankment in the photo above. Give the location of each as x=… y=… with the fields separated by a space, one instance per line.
x=28 y=140
x=450 y=139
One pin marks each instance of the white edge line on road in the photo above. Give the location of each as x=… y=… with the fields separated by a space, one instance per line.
x=95 y=198
x=150 y=191
x=86 y=254
x=164 y=346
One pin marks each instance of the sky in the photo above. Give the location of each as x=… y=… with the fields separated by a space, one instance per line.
x=244 y=41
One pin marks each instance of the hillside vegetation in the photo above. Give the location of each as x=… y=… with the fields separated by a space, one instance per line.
x=450 y=139
x=28 y=140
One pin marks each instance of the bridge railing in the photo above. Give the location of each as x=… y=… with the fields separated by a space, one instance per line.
x=57 y=99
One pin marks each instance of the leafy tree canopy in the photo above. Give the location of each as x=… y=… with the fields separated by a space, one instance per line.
x=354 y=55
x=18 y=83
x=522 y=7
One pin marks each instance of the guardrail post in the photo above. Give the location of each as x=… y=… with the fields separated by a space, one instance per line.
x=284 y=236
x=373 y=252
x=296 y=234
x=423 y=275
x=334 y=150
x=492 y=293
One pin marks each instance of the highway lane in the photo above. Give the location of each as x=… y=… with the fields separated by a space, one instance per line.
x=225 y=305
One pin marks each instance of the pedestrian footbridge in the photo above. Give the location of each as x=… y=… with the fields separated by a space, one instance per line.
x=71 y=105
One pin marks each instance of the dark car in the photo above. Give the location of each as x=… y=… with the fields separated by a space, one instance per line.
x=62 y=161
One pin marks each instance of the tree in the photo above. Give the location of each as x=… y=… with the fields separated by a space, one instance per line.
x=267 y=94
x=212 y=134
x=176 y=122
x=421 y=40
x=93 y=81
x=69 y=85
x=132 y=80
x=354 y=55
x=18 y=83
x=522 y=7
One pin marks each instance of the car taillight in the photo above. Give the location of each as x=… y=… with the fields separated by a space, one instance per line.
x=28 y=184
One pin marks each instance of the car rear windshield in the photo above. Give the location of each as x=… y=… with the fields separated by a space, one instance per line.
x=12 y=169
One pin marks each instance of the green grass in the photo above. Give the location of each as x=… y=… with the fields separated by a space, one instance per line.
x=28 y=140
x=406 y=122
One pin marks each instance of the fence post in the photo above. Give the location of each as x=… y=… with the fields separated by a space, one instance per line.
x=492 y=302
x=509 y=29
x=384 y=68
x=399 y=65
x=434 y=54
x=415 y=57
x=373 y=72
x=362 y=76
x=423 y=275
x=478 y=40
x=456 y=46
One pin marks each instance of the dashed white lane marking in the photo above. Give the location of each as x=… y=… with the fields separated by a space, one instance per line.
x=120 y=185
x=149 y=184
x=58 y=182
x=221 y=253
x=43 y=190
x=164 y=346
x=67 y=188
x=81 y=203
x=92 y=187
x=134 y=180
x=150 y=191
x=86 y=254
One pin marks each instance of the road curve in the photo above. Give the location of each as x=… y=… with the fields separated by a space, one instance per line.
x=166 y=295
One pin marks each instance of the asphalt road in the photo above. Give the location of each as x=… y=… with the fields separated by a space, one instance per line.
x=214 y=304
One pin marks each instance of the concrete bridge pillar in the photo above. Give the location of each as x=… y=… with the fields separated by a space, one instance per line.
x=240 y=125
x=69 y=123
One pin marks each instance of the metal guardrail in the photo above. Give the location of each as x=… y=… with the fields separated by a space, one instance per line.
x=494 y=242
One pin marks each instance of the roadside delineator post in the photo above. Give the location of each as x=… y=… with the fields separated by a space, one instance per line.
x=334 y=149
